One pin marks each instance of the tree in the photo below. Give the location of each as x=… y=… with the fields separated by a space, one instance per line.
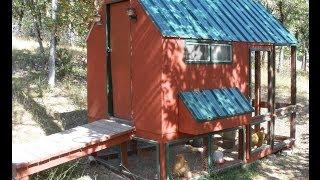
x=294 y=15
x=53 y=45
x=35 y=7
x=18 y=12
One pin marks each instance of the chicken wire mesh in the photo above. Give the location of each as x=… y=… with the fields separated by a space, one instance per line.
x=187 y=159
x=142 y=159
x=144 y=162
x=259 y=136
x=190 y=158
x=227 y=150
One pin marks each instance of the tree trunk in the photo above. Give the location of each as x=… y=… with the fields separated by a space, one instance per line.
x=21 y=15
x=264 y=58
x=53 y=45
x=38 y=35
x=37 y=24
x=304 y=60
x=280 y=61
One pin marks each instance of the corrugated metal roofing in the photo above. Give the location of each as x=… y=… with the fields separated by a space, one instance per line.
x=220 y=20
x=206 y=105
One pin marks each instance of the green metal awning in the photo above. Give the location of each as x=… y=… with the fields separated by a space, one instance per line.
x=208 y=105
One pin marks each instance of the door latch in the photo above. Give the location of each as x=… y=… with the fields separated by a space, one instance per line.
x=109 y=50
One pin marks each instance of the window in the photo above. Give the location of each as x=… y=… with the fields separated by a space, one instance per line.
x=197 y=52
x=208 y=53
x=221 y=53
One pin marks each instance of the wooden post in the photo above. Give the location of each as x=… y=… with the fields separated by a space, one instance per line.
x=248 y=141
x=257 y=88
x=124 y=154
x=271 y=94
x=162 y=158
x=209 y=151
x=293 y=91
x=134 y=146
x=241 y=145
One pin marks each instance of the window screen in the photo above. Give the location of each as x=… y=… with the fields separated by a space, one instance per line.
x=197 y=52
x=220 y=53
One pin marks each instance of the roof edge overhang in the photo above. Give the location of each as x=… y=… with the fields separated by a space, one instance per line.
x=166 y=36
x=220 y=41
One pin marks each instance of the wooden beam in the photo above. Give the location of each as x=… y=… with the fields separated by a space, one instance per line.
x=264 y=104
x=124 y=153
x=162 y=158
x=271 y=94
x=257 y=88
x=241 y=146
x=248 y=141
x=257 y=83
x=268 y=150
x=293 y=91
x=278 y=113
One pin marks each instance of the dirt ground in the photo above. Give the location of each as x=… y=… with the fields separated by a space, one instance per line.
x=40 y=111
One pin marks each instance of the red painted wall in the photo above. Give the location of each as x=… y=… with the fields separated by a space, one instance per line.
x=188 y=125
x=147 y=55
x=96 y=70
x=178 y=76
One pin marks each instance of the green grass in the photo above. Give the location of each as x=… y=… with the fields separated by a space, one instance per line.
x=69 y=170
x=247 y=172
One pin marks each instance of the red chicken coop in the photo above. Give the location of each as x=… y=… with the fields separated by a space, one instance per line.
x=178 y=69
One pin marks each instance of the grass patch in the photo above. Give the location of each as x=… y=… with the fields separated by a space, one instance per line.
x=70 y=170
x=247 y=172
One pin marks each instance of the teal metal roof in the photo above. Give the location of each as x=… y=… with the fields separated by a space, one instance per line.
x=219 y=20
x=207 y=105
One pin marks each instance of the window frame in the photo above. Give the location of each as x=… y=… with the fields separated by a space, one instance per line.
x=210 y=44
x=222 y=62
x=198 y=61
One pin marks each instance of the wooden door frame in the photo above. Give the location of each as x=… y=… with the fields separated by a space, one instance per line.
x=109 y=86
x=109 y=90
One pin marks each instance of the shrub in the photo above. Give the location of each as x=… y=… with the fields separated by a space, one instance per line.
x=64 y=64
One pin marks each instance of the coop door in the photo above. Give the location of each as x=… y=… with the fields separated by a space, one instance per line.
x=120 y=60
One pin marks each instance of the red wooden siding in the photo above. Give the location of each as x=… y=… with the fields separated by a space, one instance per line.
x=178 y=76
x=120 y=59
x=146 y=73
x=96 y=71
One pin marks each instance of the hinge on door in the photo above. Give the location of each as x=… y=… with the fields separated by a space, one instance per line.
x=109 y=50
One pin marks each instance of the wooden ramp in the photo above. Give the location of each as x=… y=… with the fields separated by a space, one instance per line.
x=68 y=145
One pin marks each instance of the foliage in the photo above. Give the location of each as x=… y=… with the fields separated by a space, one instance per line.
x=64 y=63
x=294 y=14
x=73 y=17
